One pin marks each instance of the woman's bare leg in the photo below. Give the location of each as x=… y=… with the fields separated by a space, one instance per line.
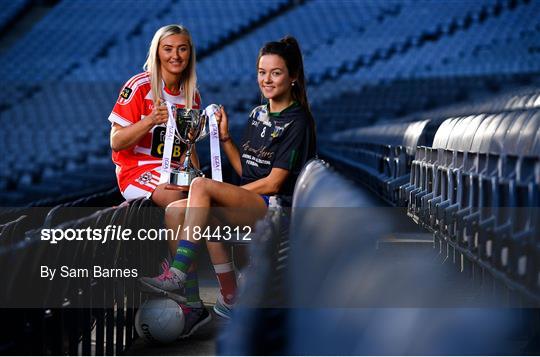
x=238 y=207
x=174 y=220
x=246 y=207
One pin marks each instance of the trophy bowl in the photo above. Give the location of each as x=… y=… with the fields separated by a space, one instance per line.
x=191 y=126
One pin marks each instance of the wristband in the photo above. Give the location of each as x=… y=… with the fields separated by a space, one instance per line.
x=225 y=139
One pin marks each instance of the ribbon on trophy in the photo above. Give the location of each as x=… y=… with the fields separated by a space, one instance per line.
x=215 y=155
x=169 y=141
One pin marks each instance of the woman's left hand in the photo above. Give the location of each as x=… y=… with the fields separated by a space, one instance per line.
x=223 y=123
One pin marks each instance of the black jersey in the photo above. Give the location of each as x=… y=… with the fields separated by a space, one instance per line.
x=282 y=140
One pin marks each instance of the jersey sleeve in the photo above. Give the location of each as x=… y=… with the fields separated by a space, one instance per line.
x=128 y=107
x=291 y=146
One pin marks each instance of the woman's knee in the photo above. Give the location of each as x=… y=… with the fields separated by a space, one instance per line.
x=175 y=209
x=200 y=185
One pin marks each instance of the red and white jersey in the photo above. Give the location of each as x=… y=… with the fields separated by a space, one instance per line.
x=134 y=102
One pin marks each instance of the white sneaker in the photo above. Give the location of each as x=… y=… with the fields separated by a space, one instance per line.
x=168 y=283
x=223 y=309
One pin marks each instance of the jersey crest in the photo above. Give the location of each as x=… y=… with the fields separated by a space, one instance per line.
x=126 y=93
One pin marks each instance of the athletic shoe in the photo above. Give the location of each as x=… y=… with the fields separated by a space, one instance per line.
x=223 y=309
x=167 y=284
x=194 y=318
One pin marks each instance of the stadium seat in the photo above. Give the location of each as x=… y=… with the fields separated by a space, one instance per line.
x=470 y=185
x=382 y=152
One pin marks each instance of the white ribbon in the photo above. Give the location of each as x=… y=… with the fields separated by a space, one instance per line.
x=169 y=141
x=215 y=155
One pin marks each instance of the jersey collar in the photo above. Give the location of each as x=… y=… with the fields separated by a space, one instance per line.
x=276 y=114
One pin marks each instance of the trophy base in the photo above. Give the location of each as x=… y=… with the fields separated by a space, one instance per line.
x=184 y=178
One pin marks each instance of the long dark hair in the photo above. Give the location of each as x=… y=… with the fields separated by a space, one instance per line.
x=288 y=49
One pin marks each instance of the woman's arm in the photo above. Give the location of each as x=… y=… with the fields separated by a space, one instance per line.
x=233 y=154
x=269 y=185
x=125 y=137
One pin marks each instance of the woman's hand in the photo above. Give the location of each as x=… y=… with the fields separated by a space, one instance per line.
x=226 y=141
x=223 y=124
x=125 y=137
x=159 y=114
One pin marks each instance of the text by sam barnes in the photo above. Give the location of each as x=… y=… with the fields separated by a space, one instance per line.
x=95 y=272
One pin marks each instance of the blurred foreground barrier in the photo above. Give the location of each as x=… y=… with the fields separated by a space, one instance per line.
x=355 y=283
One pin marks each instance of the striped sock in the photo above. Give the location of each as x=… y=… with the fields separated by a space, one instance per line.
x=185 y=253
x=227 y=281
x=192 y=289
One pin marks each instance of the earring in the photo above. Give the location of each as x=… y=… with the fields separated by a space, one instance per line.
x=292 y=84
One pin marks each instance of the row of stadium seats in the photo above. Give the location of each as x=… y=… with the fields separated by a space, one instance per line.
x=10 y=10
x=305 y=23
x=416 y=99
x=458 y=53
x=379 y=156
x=54 y=156
x=477 y=186
x=527 y=97
x=367 y=283
x=127 y=55
x=56 y=48
x=116 y=38
x=67 y=147
x=76 y=316
x=447 y=56
x=64 y=106
x=408 y=29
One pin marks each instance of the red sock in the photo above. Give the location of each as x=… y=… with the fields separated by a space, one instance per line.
x=227 y=281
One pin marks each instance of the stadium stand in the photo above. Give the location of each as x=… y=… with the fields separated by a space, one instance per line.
x=63 y=150
x=348 y=304
x=433 y=106
x=79 y=316
x=476 y=186
x=10 y=10
x=380 y=156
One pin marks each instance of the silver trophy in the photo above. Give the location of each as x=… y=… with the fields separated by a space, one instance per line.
x=191 y=126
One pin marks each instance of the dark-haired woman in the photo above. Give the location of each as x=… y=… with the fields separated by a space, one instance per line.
x=278 y=141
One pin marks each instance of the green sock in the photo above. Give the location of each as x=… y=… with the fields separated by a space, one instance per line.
x=192 y=290
x=185 y=254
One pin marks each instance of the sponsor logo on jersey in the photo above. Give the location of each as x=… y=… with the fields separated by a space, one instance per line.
x=158 y=144
x=126 y=93
x=278 y=130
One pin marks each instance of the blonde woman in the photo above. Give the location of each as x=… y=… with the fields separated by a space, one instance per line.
x=138 y=117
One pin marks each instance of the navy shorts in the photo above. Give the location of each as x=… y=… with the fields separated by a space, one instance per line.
x=266 y=199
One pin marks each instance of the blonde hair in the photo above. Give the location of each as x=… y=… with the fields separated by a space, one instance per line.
x=188 y=80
